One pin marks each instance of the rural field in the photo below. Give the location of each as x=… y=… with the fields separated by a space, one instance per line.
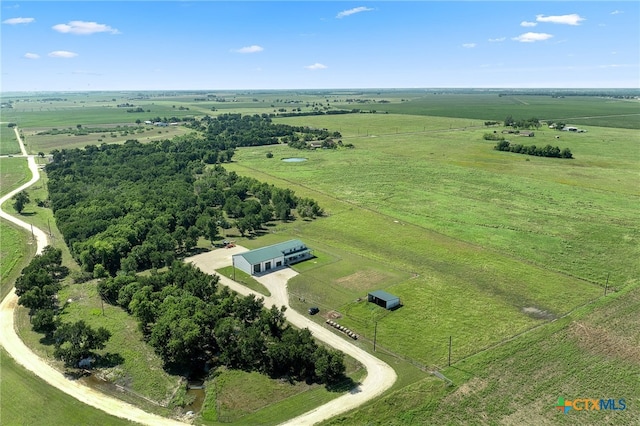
x=501 y=260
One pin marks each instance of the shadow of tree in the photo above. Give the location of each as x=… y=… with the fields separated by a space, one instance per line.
x=108 y=360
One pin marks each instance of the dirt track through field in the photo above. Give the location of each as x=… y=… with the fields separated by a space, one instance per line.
x=380 y=376
x=23 y=355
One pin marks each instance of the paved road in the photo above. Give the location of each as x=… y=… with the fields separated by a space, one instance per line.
x=380 y=376
x=23 y=355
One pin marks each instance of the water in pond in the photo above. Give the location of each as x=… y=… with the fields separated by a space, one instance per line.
x=294 y=160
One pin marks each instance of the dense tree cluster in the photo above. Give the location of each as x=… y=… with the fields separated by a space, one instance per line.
x=190 y=322
x=546 y=151
x=522 y=123
x=235 y=130
x=39 y=282
x=136 y=206
x=37 y=287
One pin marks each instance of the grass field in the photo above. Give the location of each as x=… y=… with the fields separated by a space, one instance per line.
x=582 y=110
x=480 y=245
x=593 y=353
x=27 y=400
x=15 y=250
x=8 y=141
x=13 y=173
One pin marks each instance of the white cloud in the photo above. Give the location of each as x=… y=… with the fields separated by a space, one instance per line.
x=531 y=37
x=31 y=56
x=469 y=45
x=316 y=66
x=84 y=28
x=353 y=11
x=14 y=21
x=528 y=24
x=572 y=19
x=249 y=49
x=62 y=54
x=495 y=40
x=616 y=12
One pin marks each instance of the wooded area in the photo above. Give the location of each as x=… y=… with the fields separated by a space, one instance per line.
x=136 y=206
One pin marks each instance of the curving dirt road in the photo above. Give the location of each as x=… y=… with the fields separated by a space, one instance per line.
x=380 y=376
x=23 y=355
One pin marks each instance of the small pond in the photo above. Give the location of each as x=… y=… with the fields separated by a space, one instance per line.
x=294 y=160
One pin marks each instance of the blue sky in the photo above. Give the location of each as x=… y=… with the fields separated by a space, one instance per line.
x=209 y=45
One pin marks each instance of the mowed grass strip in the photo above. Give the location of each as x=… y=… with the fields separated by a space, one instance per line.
x=28 y=400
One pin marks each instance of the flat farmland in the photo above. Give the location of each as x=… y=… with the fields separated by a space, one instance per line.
x=583 y=110
x=487 y=239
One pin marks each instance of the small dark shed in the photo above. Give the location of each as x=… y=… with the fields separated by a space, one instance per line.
x=384 y=299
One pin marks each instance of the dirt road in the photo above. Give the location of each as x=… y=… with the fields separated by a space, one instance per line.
x=380 y=376
x=23 y=355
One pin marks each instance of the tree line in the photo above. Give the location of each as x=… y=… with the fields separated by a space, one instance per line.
x=546 y=151
x=190 y=323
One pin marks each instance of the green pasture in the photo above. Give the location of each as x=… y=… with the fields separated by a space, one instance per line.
x=583 y=110
x=13 y=173
x=593 y=353
x=8 y=141
x=28 y=400
x=486 y=240
x=15 y=250
x=35 y=143
x=248 y=398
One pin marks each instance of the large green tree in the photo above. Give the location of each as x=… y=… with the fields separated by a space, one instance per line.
x=77 y=341
x=20 y=200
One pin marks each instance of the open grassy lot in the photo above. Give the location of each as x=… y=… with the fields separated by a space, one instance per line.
x=27 y=400
x=13 y=173
x=8 y=141
x=239 y=397
x=593 y=353
x=485 y=239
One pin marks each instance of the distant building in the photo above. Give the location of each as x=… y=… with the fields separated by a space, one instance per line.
x=384 y=299
x=528 y=134
x=272 y=257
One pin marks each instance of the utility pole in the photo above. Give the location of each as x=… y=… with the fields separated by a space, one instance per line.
x=606 y=284
x=375 y=334
x=449 y=351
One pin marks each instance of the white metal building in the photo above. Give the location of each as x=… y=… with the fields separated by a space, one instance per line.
x=276 y=256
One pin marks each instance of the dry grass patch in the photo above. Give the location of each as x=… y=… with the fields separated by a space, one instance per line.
x=363 y=280
x=601 y=341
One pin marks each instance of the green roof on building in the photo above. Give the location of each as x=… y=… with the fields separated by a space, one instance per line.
x=383 y=295
x=270 y=252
